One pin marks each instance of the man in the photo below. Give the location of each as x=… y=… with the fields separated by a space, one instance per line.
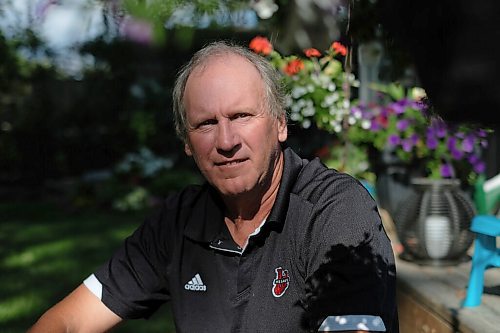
x=271 y=243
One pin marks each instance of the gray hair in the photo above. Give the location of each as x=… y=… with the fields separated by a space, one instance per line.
x=273 y=86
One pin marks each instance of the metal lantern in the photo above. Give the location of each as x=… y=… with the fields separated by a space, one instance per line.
x=433 y=222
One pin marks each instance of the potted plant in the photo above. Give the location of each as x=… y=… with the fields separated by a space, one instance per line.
x=433 y=218
x=405 y=125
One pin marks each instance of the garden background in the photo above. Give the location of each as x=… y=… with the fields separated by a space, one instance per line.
x=87 y=146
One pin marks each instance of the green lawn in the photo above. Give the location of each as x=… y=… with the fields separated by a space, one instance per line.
x=45 y=252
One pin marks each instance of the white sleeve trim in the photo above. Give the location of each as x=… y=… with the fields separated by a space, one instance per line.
x=94 y=286
x=352 y=323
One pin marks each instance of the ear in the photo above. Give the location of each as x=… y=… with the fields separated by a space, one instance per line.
x=187 y=150
x=282 y=129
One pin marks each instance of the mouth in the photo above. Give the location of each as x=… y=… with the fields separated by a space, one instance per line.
x=231 y=162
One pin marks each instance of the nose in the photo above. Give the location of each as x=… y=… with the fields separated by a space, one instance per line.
x=227 y=137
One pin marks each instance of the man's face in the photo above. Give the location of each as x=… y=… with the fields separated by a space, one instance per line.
x=231 y=136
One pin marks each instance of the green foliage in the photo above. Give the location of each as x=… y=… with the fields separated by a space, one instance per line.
x=137 y=199
x=46 y=251
x=148 y=177
x=140 y=180
x=144 y=125
x=157 y=12
x=349 y=158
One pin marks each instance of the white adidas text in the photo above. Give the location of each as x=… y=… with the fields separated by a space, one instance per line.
x=195 y=288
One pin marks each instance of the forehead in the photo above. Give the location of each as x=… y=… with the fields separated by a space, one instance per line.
x=223 y=81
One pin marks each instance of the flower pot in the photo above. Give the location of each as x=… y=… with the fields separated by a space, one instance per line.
x=392 y=178
x=433 y=222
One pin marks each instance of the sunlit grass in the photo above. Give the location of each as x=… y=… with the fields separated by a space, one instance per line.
x=39 y=252
x=19 y=306
x=45 y=252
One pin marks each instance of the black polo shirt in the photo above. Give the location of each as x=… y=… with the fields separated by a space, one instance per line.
x=321 y=261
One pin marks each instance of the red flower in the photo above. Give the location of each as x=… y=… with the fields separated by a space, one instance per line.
x=294 y=66
x=261 y=45
x=339 y=48
x=312 y=52
x=382 y=120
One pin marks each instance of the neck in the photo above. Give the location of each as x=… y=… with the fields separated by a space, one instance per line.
x=244 y=214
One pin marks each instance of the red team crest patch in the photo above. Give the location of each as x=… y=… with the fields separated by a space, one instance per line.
x=281 y=282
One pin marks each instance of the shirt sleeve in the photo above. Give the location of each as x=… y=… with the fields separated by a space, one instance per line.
x=134 y=279
x=350 y=279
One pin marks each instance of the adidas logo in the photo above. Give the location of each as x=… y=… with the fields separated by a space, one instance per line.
x=195 y=284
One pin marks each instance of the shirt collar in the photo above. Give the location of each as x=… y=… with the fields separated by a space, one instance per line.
x=292 y=166
x=206 y=220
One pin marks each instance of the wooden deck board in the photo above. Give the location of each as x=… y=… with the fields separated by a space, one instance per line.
x=430 y=297
x=441 y=291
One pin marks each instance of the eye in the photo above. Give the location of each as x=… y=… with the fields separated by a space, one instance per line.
x=207 y=122
x=241 y=115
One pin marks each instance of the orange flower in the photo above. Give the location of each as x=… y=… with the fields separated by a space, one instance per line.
x=294 y=66
x=312 y=52
x=261 y=45
x=339 y=48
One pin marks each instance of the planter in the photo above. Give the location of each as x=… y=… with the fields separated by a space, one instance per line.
x=392 y=179
x=433 y=222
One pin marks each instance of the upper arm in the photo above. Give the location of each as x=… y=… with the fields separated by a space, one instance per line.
x=80 y=311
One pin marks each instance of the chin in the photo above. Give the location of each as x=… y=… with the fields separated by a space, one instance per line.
x=233 y=189
x=233 y=192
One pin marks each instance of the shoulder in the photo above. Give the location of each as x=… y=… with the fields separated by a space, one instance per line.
x=316 y=183
x=313 y=182
x=176 y=207
x=341 y=210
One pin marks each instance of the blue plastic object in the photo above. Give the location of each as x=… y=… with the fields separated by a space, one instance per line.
x=487 y=227
x=486 y=255
x=369 y=187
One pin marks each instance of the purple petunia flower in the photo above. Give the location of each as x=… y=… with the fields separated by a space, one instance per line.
x=456 y=154
x=481 y=133
x=439 y=127
x=451 y=143
x=407 y=145
x=446 y=170
x=414 y=138
x=402 y=124
x=432 y=142
x=468 y=143
x=479 y=167
x=356 y=109
x=374 y=126
x=393 y=140
x=473 y=159
x=399 y=106
x=418 y=105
